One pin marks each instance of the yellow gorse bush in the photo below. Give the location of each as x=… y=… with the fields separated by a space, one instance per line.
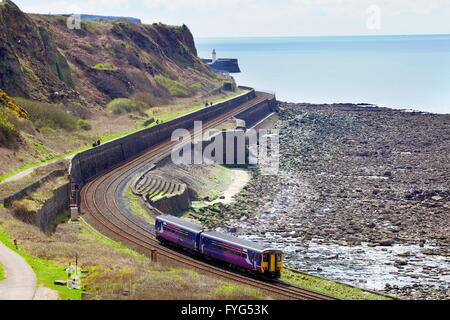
x=7 y=102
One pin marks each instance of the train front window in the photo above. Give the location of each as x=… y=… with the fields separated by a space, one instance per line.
x=266 y=258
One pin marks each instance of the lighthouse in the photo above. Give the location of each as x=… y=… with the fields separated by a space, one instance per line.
x=214 y=56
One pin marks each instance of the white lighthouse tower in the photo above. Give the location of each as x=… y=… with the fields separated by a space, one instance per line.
x=214 y=56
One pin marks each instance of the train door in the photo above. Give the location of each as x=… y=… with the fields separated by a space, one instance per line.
x=272 y=263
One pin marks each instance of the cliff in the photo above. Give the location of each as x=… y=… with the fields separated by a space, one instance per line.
x=42 y=59
x=30 y=62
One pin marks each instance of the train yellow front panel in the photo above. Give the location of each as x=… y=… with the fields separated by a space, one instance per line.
x=272 y=263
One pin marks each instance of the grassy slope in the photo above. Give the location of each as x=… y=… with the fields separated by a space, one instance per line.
x=90 y=233
x=165 y=118
x=110 y=268
x=46 y=270
x=138 y=209
x=329 y=287
x=229 y=289
x=224 y=291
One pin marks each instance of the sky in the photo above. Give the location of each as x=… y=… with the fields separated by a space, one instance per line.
x=246 y=18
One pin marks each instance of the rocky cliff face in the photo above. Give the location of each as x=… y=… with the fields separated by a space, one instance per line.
x=41 y=58
x=30 y=63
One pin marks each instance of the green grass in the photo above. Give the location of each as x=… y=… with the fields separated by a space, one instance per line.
x=231 y=96
x=46 y=270
x=232 y=289
x=90 y=233
x=125 y=105
x=174 y=87
x=137 y=208
x=173 y=115
x=61 y=218
x=329 y=287
x=113 y=136
x=103 y=66
x=176 y=114
x=2 y=273
x=83 y=125
x=6 y=125
x=43 y=152
x=196 y=86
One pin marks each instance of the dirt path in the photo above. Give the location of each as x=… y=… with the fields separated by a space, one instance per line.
x=20 y=282
x=240 y=180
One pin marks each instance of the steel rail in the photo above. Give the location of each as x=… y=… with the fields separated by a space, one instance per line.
x=99 y=205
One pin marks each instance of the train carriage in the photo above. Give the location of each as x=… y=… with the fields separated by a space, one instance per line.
x=236 y=252
x=178 y=232
x=241 y=253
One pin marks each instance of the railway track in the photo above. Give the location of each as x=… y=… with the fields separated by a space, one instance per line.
x=101 y=209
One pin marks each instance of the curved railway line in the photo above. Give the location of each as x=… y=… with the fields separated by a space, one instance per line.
x=100 y=208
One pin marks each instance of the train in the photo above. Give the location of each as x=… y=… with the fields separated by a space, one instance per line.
x=234 y=252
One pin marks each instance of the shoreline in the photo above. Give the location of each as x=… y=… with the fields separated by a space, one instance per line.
x=367 y=105
x=397 y=250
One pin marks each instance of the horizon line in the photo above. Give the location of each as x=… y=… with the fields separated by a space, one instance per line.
x=324 y=36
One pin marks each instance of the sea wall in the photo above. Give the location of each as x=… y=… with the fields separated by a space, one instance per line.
x=237 y=142
x=258 y=112
x=91 y=163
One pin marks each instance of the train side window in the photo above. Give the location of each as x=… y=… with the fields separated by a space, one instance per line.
x=224 y=248
x=180 y=233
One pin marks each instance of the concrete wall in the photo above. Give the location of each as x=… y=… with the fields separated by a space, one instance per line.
x=251 y=117
x=32 y=187
x=173 y=205
x=258 y=112
x=91 y=163
x=51 y=209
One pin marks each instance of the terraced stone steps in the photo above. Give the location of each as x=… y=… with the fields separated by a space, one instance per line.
x=162 y=194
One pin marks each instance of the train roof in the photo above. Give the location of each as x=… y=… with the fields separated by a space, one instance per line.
x=236 y=241
x=182 y=223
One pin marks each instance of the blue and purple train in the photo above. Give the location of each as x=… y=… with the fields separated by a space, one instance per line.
x=237 y=253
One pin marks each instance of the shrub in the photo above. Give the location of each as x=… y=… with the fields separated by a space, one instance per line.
x=5 y=123
x=48 y=115
x=144 y=98
x=149 y=122
x=124 y=105
x=175 y=88
x=7 y=102
x=196 y=86
x=12 y=117
x=84 y=125
x=8 y=132
x=23 y=207
x=103 y=66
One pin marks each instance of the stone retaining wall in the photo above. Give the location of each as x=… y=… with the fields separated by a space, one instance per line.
x=258 y=112
x=51 y=209
x=32 y=187
x=91 y=163
x=173 y=205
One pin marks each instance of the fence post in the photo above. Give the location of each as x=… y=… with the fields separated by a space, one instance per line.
x=154 y=256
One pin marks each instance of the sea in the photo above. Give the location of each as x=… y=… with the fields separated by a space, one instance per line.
x=401 y=72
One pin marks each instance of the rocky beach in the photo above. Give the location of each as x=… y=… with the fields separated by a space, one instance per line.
x=362 y=196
